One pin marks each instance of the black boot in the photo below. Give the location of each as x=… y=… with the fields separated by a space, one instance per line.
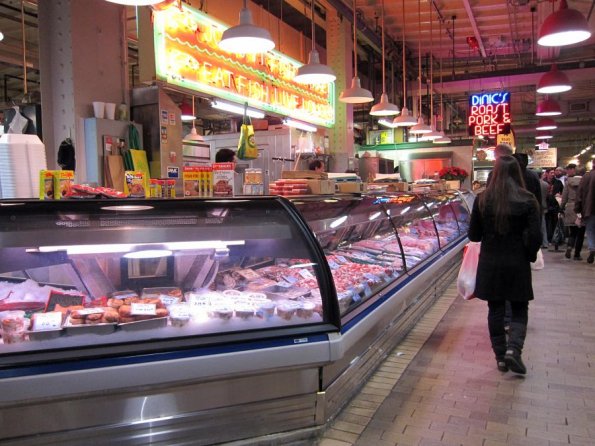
x=499 y=347
x=516 y=341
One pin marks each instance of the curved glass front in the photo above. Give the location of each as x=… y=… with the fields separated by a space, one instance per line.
x=443 y=212
x=359 y=243
x=92 y=273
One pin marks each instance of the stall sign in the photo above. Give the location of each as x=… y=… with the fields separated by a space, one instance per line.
x=187 y=55
x=489 y=113
x=545 y=158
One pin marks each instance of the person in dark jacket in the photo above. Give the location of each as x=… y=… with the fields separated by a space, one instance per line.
x=506 y=220
x=585 y=205
x=532 y=182
x=576 y=233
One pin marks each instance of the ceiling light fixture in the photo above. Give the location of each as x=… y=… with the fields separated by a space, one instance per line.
x=193 y=135
x=299 y=125
x=553 y=81
x=356 y=94
x=135 y=2
x=314 y=72
x=405 y=119
x=544 y=135
x=546 y=124
x=548 y=107
x=246 y=38
x=384 y=107
x=237 y=109
x=443 y=138
x=563 y=27
x=187 y=112
x=434 y=134
x=420 y=128
x=387 y=123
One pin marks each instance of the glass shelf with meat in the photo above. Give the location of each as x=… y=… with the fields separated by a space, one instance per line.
x=443 y=213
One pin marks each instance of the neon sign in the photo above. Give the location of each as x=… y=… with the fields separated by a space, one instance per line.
x=187 y=55
x=489 y=114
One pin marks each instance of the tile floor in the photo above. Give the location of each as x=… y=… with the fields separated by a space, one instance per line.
x=440 y=386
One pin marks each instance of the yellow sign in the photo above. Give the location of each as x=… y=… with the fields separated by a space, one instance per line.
x=506 y=139
x=187 y=55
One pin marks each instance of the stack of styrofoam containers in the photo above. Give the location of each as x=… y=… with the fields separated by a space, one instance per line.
x=21 y=159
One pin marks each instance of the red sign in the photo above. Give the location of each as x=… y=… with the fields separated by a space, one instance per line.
x=489 y=114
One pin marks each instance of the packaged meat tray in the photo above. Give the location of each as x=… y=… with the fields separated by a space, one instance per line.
x=79 y=329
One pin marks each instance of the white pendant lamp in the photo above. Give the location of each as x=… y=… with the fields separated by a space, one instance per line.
x=246 y=38
x=546 y=124
x=187 y=111
x=553 y=81
x=443 y=138
x=544 y=135
x=314 y=72
x=404 y=119
x=384 y=107
x=420 y=128
x=193 y=135
x=563 y=27
x=135 y=2
x=356 y=94
x=434 y=134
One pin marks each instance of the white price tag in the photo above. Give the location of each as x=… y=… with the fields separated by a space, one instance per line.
x=341 y=259
x=87 y=311
x=137 y=309
x=290 y=279
x=333 y=264
x=306 y=274
x=168 y=300
x=179 y=311
x=47 y=321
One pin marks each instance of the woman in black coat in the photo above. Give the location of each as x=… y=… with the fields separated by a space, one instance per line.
x=506 y=220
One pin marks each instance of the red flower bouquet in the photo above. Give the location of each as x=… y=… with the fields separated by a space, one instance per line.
x=453 y=173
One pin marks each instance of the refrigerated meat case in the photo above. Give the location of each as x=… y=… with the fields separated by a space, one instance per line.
x=208 y=320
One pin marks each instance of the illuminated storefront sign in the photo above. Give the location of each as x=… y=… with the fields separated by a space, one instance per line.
x=489 y=113
x=187 y=55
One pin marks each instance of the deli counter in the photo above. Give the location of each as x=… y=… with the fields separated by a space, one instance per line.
x=199 y=318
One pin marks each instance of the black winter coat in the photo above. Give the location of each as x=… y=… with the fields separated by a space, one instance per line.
x=504 y=270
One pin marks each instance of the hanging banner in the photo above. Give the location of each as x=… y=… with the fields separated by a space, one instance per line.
x=544 y=158
x=489 y=114
x=187 y=55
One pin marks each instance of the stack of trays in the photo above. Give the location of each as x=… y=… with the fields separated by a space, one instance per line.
x=21 y=159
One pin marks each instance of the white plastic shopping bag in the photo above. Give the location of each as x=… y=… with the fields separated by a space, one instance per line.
x=539 y=263
x=468 y=271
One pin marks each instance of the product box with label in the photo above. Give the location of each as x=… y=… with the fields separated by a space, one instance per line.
x=223 y=179
x=352 y=187
x=321 y=187
x=306 y=174
x=134 y=184
x=55 y=184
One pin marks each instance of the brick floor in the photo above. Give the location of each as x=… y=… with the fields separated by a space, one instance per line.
x=440 y=386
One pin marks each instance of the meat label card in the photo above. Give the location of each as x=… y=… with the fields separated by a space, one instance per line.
x=137 y=309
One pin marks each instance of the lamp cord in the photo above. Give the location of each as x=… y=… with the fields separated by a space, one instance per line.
x=419 y=55
x=354 y=40
x=404 y=71
x=313 y=25
x=383 y=67
x=431 y=70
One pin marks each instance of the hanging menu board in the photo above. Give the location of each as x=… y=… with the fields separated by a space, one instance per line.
x=187 y=55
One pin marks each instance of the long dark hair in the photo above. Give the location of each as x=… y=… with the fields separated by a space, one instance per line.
x=506 y=186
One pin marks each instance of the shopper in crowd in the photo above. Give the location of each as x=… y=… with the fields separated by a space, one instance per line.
x=557 y=185
x=316 y=166
x=574 y=227
x=560 y=174
x=505 y=219
x=570 y=172
x=531 y=178
x=554 y=194
x=225 y=156
x=585 y=206
x=544 y=191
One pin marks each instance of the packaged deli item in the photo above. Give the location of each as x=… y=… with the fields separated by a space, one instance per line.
x=63 y=181
x=134 y=183
x=13 y=327
x=108 y=192
x=223 y=179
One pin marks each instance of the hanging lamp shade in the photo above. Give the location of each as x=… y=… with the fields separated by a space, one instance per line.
x=135 y=2
x=546 y=124
x=246 y=38
x=548 y=107
x=432 y=136
x=443 y=140
x=405 y=119
x=356 y=94
x=187 y=112
x=420 y=128
x=554 y=81
x=384 y=107
x=563 y=27
x=314 y=72
x=193 y=135
x=544 y=135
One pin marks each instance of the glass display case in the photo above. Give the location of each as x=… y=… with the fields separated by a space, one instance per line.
x=370 y=241
x=100 y=277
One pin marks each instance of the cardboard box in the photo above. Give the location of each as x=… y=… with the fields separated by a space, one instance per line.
x=352 y=187
x=306 y=174
x=321 y=187
x=223 y=179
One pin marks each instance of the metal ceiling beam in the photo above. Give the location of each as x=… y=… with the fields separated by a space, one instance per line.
x=474 y=26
